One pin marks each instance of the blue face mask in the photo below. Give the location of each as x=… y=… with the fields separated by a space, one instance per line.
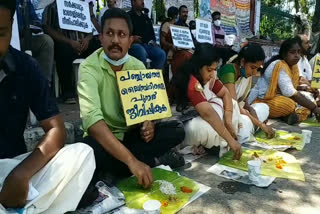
x=243 y=72
x=117 y=62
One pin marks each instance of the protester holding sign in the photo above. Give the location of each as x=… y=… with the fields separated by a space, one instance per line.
x=165 y=36
x=69 y=44
x=237 y=77
x=277 y=86
x=218 y=123
x=180 y=56
x=145 y=45
x=53 y=177
x=118 y=148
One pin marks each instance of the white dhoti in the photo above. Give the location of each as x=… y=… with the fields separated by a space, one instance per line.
x=247 y=128
x=61 y=182
x=243 y=87
x=200 y=132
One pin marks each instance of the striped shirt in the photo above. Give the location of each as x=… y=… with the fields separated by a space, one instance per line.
x=218 y=35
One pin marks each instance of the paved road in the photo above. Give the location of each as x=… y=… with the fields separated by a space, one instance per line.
x=282 y=196
x=228 y=197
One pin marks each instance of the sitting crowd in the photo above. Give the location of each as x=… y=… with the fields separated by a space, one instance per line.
x=229 y=111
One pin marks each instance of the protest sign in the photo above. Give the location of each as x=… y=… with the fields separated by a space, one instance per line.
x=204 y=31
x=156 y=29
x=143 y=94
x=74 y=15
x=181 y=37
x=15 y=40
x=315 y=83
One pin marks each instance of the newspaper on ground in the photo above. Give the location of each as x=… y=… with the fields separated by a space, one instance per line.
x=259 y=145
x=188 y=156
x=239 y=175
x=110 y=198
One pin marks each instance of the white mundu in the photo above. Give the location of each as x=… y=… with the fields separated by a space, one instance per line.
x=60 y=184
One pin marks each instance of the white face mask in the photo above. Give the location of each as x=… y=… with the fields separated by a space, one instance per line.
x=217 y=23
x=117 y=62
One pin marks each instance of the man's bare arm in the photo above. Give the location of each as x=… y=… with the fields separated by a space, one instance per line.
x=101 y=133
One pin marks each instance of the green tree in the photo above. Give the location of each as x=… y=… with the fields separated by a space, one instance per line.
x=276 y=27
x=316 y=18
x=160 y=9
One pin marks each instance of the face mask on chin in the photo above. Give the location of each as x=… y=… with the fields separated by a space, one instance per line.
x=119 y=62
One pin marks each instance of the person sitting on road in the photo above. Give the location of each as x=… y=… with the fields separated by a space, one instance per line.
x=237 y=77
x=120 y=149
x=278 y=86
x=218 y=123
x=52 y=178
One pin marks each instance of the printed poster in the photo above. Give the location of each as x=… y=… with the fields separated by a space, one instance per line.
x=315 y=82
x=203 y=31
x=74 y=15
x=144 y=96
x=181 y=37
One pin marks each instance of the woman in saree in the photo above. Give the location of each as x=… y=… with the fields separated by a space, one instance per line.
x=237 y=78
x=278 y=86
x=176 y=56
x=165 y=35
x=196 y=82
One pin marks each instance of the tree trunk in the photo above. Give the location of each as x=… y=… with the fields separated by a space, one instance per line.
x=297 y=5
x=316 y=18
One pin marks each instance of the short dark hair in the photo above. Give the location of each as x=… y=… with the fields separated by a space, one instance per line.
x=10 y=5
x=116 y=13
x=182 y=6
x=172 y=12
x=215 y=13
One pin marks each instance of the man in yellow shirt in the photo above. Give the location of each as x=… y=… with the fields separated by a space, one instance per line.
x=118 y=148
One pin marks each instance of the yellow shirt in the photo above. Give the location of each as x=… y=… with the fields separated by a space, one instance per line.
x=98 y=92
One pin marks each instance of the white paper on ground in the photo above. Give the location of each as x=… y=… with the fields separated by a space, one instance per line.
x=188 y=156
x=202 y=190
x=256 y=144
x=239 y=175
